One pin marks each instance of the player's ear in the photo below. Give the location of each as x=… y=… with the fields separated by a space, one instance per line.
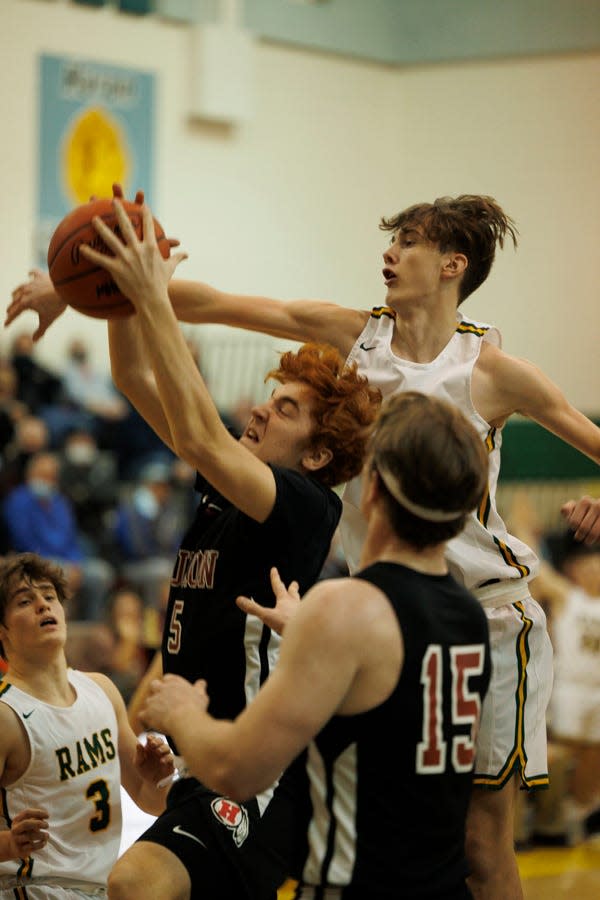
x=316 y=458
x=455 y=264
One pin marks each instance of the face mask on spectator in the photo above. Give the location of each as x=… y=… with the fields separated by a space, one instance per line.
x=42 y=489
x=145 y=502
x=80 y=454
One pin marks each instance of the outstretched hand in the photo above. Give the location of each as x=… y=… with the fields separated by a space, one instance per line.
x=27 y=832
x=117 y=190
x=287 y=601
x=136 y=265
x=38 y=295
x=583 y=517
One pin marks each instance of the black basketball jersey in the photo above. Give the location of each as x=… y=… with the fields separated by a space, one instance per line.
x=225 y=553
x=390 y=787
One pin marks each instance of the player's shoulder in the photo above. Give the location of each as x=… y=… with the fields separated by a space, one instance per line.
x=348 y=603
x=105 y=684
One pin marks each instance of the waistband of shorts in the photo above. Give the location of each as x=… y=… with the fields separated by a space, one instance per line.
x=91 y=888
x=503 y=593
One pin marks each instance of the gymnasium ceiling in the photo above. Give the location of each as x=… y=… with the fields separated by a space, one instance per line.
x=407 y=32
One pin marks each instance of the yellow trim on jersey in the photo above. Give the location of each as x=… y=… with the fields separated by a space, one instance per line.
x=470 y=328
x=4 y=687
x=26 y=867
x=483 y=511
x=378 y=311
x=517 y=759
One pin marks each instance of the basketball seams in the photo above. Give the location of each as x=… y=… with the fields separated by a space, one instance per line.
x=73 y=234
x=92 y=290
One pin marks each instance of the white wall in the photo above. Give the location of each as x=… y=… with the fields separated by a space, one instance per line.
x=288 y=204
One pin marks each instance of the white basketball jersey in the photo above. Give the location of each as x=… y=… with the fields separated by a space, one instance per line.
x=74 y=773
x=576 y=640
x=484 y=557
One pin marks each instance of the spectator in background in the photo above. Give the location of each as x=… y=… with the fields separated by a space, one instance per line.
x=37 y=387
x=40 y=519
x=148 y=530
x=571 y=591
x=11 y=408
x=92 y=394
x=130 y=656
x=568 y=588
x=30 y=437
x=89 y=478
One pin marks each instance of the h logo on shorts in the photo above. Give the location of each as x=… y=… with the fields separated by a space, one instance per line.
x=233 y=816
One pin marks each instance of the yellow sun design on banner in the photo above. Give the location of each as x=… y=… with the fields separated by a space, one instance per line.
x=95 y=155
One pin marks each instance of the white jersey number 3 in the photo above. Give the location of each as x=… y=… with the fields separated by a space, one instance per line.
x=465 y=661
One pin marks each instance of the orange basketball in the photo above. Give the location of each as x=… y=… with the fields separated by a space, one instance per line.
x=85 y=286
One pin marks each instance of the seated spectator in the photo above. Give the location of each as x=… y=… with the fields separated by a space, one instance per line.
x=148 y=530
x=11 y=408
x=40 y=519
x=37 y=387
x=88 y=477
x=30 y=437
x=90 y=647
x=131 y=655
x=137 y=445
x=92 y=392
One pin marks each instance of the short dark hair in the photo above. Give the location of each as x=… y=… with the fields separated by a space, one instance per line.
x=343 y=410
x=29 y=567
x=471 y=224
x=431 y=455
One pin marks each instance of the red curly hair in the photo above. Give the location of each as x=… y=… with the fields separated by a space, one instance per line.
x=344 y=406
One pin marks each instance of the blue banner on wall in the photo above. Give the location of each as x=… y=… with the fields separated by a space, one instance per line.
x=96 y=127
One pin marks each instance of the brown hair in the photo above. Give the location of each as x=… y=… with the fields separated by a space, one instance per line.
x=31 y=568
x=430 y=453
x=344 y=406
x=471 y=224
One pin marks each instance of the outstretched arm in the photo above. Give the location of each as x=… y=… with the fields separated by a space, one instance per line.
x=296 y=320
x=503 y=385
x=198 y=303
x=341 y=653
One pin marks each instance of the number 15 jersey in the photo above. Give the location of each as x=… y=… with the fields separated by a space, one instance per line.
x=390 y=787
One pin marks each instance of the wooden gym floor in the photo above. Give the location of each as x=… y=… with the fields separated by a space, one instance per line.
x=548 y=874
x=561 y=873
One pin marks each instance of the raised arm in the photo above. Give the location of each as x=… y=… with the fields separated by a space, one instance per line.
x=197 y=432
x=133 y=376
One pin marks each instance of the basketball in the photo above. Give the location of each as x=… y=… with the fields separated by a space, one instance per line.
x=85 y=286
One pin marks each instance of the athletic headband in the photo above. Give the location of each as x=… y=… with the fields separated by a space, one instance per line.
x=422 y=512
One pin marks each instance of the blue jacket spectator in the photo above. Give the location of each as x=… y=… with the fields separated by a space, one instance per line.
x=40 y=519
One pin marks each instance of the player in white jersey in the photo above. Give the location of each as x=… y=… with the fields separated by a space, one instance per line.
x=439 y=254
x=65 y=747
x=571 y=593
